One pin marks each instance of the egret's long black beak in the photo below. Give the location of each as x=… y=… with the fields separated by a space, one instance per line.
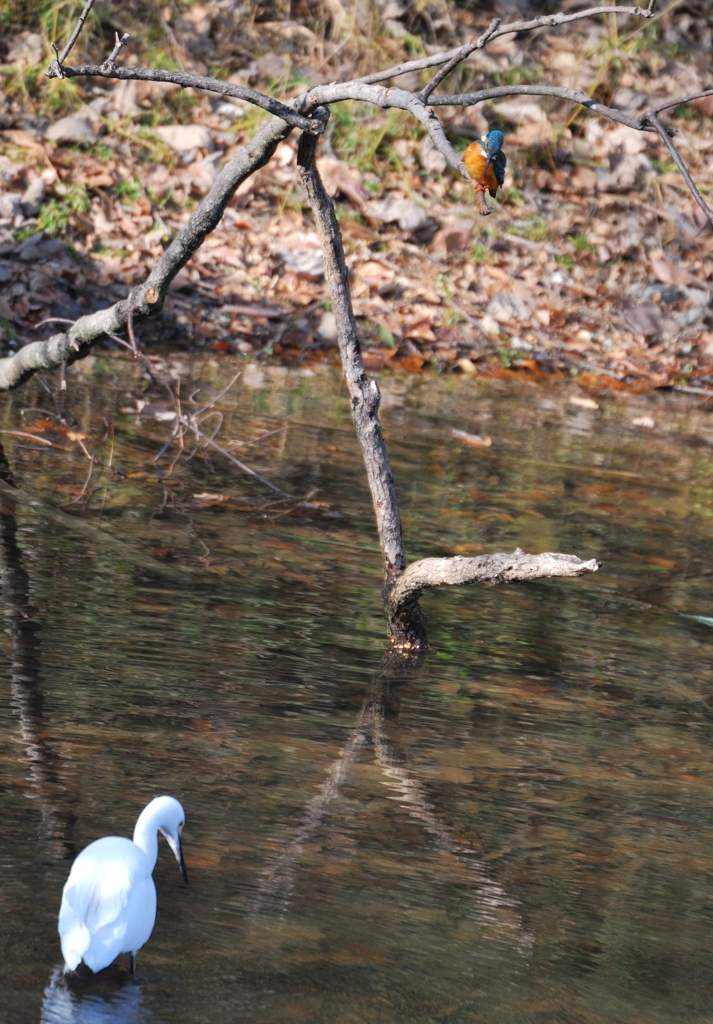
x=181 y=863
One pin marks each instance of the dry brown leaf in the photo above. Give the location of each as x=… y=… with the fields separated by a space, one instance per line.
x=338 y=176
x=208 y=498
x=473 y=440
x=668 y=273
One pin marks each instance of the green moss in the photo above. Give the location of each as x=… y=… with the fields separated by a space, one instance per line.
x=581 y=243
x=565 y=261
x=481 y=253
x=54 y=215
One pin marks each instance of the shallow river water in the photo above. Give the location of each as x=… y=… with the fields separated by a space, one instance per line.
x=519 y=829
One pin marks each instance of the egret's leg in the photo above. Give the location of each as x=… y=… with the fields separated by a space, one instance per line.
x=132 y=963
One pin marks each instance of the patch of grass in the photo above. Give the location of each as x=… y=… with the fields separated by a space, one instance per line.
x=517 y=76
x=345 y=212
x=452 y=317
x=536 y=229
x=565 y=261
x=386 y=336
x=55 y=214
x=581 y=243
x=251 y=120
x=481 y=253
x=102 y=153
x=129 y=189
x=512 y=195
x=365 y=140
x=667 y=166
x=505 y=356
x=109 y=250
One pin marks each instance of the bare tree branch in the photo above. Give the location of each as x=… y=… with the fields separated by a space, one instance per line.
x=187 y=81
x=463 y=53
x=469 y=99
x=147 y=298
x=75 y=35
x=363 y=393
x=677 y=102
x=546 y=21
x=653 y=119
x=117 y=48
x=402 y=596
x=403 y=586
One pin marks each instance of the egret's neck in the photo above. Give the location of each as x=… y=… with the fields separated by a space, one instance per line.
x=146 y=834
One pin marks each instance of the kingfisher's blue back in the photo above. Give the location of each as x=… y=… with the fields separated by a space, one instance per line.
x=492 y=147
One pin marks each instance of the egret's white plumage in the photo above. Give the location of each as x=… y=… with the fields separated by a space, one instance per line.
x=109 y=900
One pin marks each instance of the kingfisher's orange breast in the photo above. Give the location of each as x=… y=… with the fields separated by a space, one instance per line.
x=475 y=160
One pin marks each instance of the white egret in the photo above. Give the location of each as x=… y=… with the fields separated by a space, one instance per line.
x=109 y=900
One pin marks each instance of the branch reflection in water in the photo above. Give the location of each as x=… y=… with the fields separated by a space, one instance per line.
x=488 y=901
x=61 y=1005
x=26 y=683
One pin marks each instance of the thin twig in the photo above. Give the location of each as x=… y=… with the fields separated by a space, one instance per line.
x=653 y=119
x=32 y=437
x=205 y=408
x=86 y=484
x=256 y=440
x=469 y=99
x=75 y=35
x=551 y=20
x=231 y=458
x=117 y=48
x=130 y=331
x=463 y=53
x=189 y=81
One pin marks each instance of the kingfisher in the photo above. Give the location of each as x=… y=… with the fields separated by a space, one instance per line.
x=485 y=163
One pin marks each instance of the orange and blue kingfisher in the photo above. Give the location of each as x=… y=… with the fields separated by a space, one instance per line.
x=485 y=163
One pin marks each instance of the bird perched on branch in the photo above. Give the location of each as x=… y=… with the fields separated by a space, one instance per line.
x=109 y=900
x=485 y=163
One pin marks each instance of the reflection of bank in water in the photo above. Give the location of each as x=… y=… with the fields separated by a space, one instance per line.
x=62 y=1005
x=25 y=672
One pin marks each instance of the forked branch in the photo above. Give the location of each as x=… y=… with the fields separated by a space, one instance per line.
x=403 y=586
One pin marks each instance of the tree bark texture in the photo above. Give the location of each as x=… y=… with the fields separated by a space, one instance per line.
x=363 y=393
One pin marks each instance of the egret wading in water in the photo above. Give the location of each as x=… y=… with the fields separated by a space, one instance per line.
x=109 y=900
x=485 y=162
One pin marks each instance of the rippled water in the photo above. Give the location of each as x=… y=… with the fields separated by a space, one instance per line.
x=518 y=829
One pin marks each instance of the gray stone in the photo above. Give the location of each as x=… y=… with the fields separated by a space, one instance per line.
x=72 y=129
x=506 y=306
x=327 y=329
x=431 y=158
x=304 y=262
x=28 y=48
x=407 y=213
x=33 y=197
x=184 y=138
x=10 y=204
x=38 y=247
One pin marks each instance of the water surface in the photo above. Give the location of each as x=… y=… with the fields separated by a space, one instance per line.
x=518 y=829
